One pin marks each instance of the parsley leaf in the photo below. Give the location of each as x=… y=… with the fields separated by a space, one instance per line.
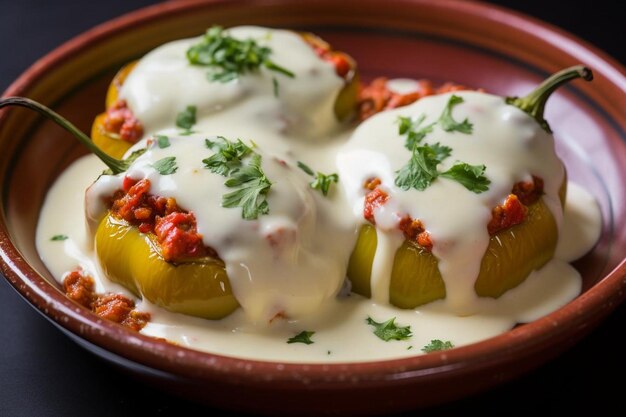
x=447 y=122
x=437 y=345
x=413 y=129
x=305 y=168
x=252 y=187
x=303 y=337
x=57 y=238
x=321 y=182
x=469 y=176
x=228 y=58
x=389 y=331
x=420 y=171
x=441 y=151
x=166 y=166
x=162 y=141
x=227 y=157
x=186 y=119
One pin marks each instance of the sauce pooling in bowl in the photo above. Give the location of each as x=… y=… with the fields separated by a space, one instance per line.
x=287 y=266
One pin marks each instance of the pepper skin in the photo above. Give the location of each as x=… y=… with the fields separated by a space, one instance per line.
x=131 y=258
x=345 y=67
x=415 y=279
x=110 y=142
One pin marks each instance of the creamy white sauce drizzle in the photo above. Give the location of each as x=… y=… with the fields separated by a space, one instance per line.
x=511 y=145
x=164 y=83
x=581 y=224
x=339 y=324
x=294 y=259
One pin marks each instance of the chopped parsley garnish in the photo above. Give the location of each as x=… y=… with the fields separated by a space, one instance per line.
x=166 y=166
x=414 y=130
x=321 y=181
x=228 y=58
x=448 y=123
x=303 y=337
x=421 y=170
x=437 y=345
x=57 y=238
x=469 y=176
x=186 y=119
x=441 y=151
x=227 y=157
x=249 y=180
x=275 y=86
x=252 y=187
x=388 y=330
x=162 y=141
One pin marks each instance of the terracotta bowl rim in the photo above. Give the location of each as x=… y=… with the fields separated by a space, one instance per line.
x=598 y=301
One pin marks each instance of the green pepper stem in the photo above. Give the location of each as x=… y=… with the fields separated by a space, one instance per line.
x=535 y=102
x=117 y=166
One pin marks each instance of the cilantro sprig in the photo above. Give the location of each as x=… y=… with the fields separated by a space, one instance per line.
x=388 y=330
x=59 y=238
x=447 y=122
x=249 y=181
x=227 y=157
x=469 y=176
x=421 y=169
x=303 y=337
x=166 y=166
x=414 y=130
x=162 y=141
x=186 y=119
x=228 y=58
x=436 y=345
x=251 y=186
x=321 y=182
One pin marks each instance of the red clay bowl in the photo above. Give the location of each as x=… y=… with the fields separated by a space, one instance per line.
x=470 y=43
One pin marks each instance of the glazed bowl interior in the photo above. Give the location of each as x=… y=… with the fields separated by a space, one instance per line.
x=441 y=41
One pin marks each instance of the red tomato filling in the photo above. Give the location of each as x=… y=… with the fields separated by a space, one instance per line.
x=508 y=214
x=339 y=60
x=376 y=96
x=121 y=121
x=175 y=229
x=113 y=307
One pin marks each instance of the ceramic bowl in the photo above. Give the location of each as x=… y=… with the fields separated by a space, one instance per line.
x=470 y=43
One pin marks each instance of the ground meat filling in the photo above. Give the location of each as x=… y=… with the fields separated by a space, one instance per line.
x=376 y=96
x=175 y=229
x=121 y=121
x=508 y=214
x=113 y=307
x=515 y=208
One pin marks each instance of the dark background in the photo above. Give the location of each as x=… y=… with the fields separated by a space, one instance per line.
x=43 y=373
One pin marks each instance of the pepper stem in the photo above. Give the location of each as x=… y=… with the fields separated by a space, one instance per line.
x=117 y=166
x=535 y=102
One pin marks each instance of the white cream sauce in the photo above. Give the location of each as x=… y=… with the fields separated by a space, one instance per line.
x=339 y=324
x=164 y=83
x=509 y=143
x=294 y=259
